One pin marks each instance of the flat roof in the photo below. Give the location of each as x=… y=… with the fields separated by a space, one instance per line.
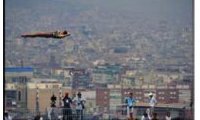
x=18 y=69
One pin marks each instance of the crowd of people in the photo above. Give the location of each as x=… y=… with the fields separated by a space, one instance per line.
x=78 y=102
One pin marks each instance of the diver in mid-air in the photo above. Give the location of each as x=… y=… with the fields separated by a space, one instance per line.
x=56 y=34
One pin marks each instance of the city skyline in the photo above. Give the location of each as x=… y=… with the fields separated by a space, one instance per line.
x=114 y=48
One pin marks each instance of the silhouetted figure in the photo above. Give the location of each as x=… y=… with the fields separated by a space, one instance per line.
x=168 y=116
x=154 y=117
x=7 y=116
x=79 y=102
x=38 y=117
x=51 y=113
x=191 y=105
x=67 y=112
x=53 y=101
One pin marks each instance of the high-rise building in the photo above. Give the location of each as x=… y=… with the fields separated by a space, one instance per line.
x=102 y=98
x=16 y=79
x=106 y=74
x=80 y=78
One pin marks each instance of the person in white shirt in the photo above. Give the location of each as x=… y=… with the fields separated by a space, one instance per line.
x=79 y=102
x=168 y=116
x=146 y=115
x=152 y=102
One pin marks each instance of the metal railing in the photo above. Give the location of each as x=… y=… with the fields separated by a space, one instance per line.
x=60 y=113
x=98 y=113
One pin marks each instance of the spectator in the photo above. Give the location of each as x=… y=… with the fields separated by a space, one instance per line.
x=53 y=100
x=38 y=117
x=148 y=113
x=79 y=102
x=130 y=102
x=168 y=116
x=154 y=117
x=145 y=116
x=152 y=102
x=7 y=116
x=67 y=112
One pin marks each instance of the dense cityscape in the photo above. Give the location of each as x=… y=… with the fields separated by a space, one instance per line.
x=114 y=49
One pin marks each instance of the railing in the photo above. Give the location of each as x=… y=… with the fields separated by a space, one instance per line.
x=99 y=113
x=73 y=114
x=66 y=114
x=60 y=113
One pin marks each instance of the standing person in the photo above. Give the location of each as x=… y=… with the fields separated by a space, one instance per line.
x=53 y=100
x=152 y=102
x=168 y=116
x=7 y=116
x=38 y=117
x=130 y=103
x=51 y=111
x=79 y=102
x=67 y=112
x=154 y=117
x=145 y=116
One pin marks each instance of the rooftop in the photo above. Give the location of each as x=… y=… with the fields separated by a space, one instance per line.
x=18 y=69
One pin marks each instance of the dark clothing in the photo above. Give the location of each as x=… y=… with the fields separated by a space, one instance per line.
x=37 y=117
x=154 y=116
x=67 y=112
x=53 y=101
x=67 y=102
x=154 y=119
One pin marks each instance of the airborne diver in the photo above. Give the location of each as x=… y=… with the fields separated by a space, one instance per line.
x=56 y=34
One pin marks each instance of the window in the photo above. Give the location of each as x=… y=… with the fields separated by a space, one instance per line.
x=11 y=94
